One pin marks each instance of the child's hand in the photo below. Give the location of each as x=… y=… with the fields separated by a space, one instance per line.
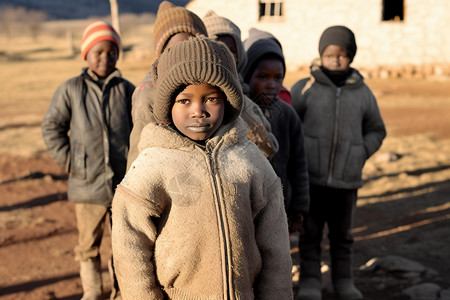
x=295 y=222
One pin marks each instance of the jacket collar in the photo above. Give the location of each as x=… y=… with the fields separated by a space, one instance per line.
x=353 y=81
x=164 y=136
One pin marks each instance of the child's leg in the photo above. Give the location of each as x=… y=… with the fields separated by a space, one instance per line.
x=310 y=246
x=340 y=221
x=90 y=223
x=312 y=231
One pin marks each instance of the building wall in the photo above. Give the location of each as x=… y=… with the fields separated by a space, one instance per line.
x=422 y=38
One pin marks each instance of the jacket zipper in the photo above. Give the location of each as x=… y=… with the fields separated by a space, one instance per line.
x=335 y=136
x=222 y=222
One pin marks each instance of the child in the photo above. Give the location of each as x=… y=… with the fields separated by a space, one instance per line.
x=224 y=30
x=173 y=24
x=264 y=75
x=86 y=130
x=199 y=214
x=343 y=128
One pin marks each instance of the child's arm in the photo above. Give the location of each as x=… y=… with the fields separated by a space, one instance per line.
x=298 y=91
x=133 y=239
x=142 y=114
x=298 y=169
x=272 y=238
x=56 y=125
x=374 y=130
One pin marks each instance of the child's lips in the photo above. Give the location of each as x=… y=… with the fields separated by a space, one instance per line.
x=199 y=127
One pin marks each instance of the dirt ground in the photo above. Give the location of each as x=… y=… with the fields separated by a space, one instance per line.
x=403 y=209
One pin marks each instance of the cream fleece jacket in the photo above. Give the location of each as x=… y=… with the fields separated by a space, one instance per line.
x=193 y=222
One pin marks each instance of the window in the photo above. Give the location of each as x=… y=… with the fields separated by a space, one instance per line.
x=270 y=9
x=393 y=10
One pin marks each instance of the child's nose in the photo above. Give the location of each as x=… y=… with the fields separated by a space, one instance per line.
x=198 y=110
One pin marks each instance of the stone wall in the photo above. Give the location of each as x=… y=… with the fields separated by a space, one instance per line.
x=417 y=46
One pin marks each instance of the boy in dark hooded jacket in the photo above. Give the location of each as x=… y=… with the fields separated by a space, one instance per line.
x=264 y=74
x=343 y=128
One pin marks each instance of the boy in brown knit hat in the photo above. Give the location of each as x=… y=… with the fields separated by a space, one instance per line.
x=200 y=213
x=173 y=24
x=86 y=129
x=224 y=30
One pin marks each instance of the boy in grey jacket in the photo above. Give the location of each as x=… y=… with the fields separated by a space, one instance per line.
x=343 y=128
x=200 y=213
x=86 y=130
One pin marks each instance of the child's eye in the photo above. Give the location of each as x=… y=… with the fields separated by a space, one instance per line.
x=212 y=99
x=182 y=101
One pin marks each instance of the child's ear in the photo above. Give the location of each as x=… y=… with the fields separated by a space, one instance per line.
x=154 y=70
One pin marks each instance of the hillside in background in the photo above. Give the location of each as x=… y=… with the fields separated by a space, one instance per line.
x=81 y=9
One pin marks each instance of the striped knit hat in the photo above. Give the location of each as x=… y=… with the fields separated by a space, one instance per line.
x=219 y=26
x=194 y=61
x=96 y=32
x=171 y=20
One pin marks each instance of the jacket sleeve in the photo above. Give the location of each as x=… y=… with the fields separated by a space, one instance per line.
x=260 y=130
x=142 y=114
x=298 y=169
x=374 y=130
x=56 y=125
x=298 y=96
x=272 y=238
x=133 y=240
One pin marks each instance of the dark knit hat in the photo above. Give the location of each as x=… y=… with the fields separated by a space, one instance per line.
x=260 y=44
x=341 y=36
x=194 y=61
x=170 y=20
x=220 y=26
x=96 y=32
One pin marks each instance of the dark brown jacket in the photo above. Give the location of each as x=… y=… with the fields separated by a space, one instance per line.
x=86 y=130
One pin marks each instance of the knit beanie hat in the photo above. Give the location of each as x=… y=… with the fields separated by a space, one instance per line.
x=194 y=61
x=219 y=26
x=170 y=20
x=96 y=32
x=341 y=36
x=259 y=44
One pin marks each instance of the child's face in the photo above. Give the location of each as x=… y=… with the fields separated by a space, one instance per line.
x=267 y=80
x=198 y=111
x=102 y=58
x=335 y=58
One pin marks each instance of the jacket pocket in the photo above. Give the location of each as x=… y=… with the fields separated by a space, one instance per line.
x=312 y=155
x=78 y=161
x=354 y=162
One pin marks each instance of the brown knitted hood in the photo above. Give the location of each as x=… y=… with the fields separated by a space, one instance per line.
x=218 y=26
x=195 y=61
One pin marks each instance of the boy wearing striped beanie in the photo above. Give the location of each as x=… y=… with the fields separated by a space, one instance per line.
x=200 y=214
x=173 y=24
x=86 y=130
